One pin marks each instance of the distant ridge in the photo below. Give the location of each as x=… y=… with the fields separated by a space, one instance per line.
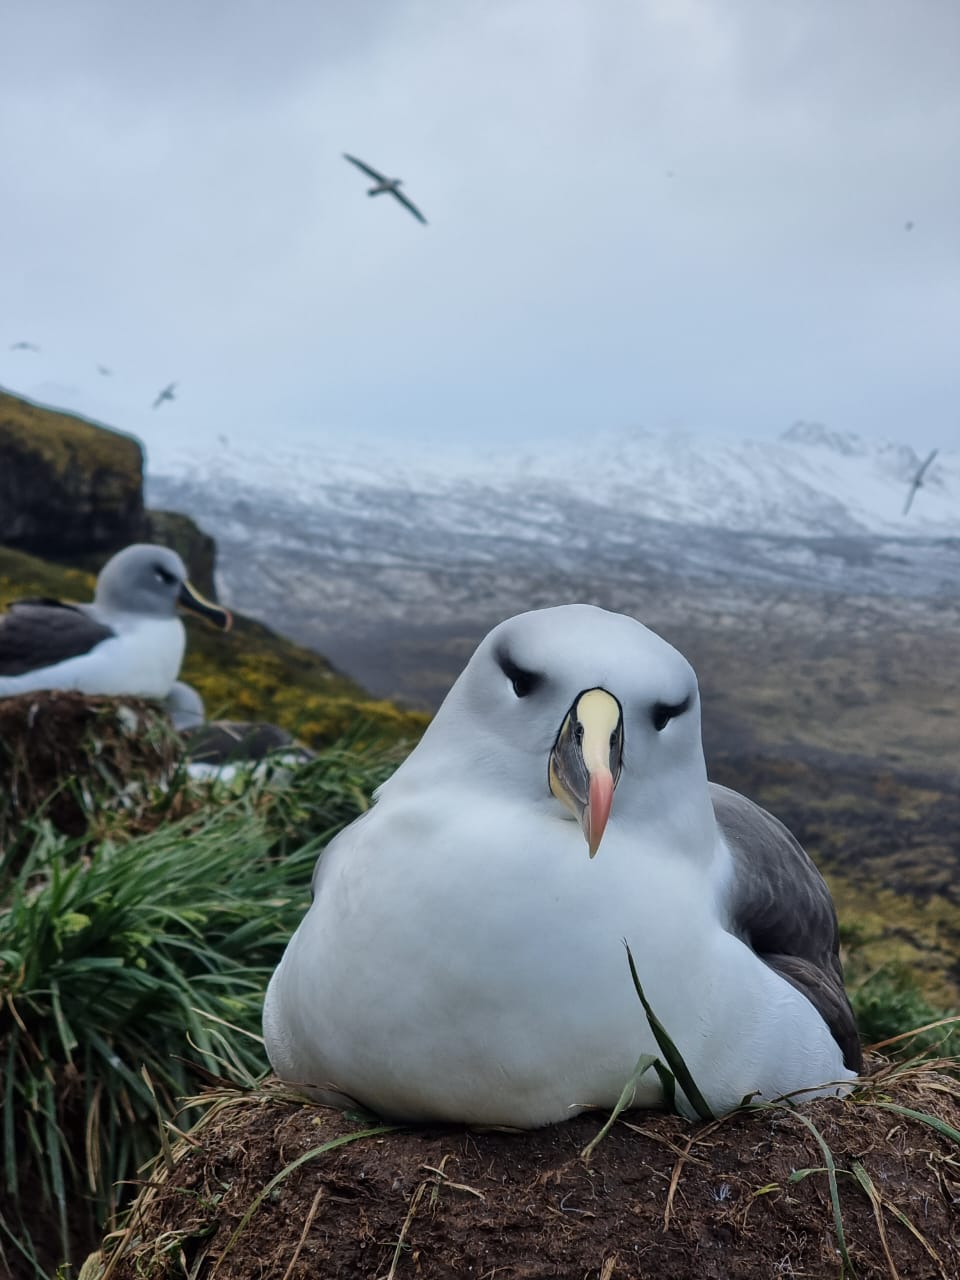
x=812 y=481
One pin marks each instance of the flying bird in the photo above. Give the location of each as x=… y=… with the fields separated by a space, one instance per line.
x=24 y=346
x=102 y=369
x=917 y=481
x=165 y=394
x=908 y=226
x=462 y=958
x=127 y=640
x=384 y=184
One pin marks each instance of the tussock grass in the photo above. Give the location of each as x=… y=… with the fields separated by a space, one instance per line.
x=133 y=970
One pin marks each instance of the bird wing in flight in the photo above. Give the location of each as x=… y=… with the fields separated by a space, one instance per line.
x=365 y=168
x=923 y=466
x=917 y=480
x=410 y=205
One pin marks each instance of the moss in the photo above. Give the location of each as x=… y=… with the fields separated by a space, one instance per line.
x=24 y=575
x=62 y=439
x=67 y=486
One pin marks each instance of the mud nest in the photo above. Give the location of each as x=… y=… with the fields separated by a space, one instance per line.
x=252 y=1193
x=63 y=755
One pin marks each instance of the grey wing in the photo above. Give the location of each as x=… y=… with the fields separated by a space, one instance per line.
x=918 y=478
x=410 y=205
x=228 y=741
x=780 y=906
x=365 y=168
x=41 y=633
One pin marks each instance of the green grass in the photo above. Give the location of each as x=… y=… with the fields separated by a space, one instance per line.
x=130 y=969
x=889 y=1003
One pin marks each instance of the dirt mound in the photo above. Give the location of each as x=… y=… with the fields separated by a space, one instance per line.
x=267 y=1186
x=62 y=754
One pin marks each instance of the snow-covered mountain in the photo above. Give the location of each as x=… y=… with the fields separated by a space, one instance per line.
x=810 y=481
x=361 y=554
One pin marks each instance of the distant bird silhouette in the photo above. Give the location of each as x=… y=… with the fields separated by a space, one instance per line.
x=102 y=368
x=389 y=185
x=165 y=394
x=24 y=346
x=908 y=226
x=917 y=481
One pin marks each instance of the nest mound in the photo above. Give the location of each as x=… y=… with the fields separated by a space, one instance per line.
x=269 y=1186
x=63 y=754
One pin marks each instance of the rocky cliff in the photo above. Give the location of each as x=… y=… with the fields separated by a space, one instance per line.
x=66 y=485
x=72 y=491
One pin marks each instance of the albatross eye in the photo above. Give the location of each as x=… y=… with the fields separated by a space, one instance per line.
x=164 y=575
x=523 y=682
x=664 y=712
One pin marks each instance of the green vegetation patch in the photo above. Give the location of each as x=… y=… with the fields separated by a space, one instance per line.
x=132 y=971
x=68 y=443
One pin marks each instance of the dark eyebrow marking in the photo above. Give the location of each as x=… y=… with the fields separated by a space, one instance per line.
x=524 y=682
x=664 y=712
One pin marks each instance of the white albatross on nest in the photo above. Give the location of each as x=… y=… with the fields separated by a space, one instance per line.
x=463 y=958
x=127 y=641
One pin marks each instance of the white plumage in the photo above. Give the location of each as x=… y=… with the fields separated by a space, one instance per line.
x=127 y=641
x=463 y=956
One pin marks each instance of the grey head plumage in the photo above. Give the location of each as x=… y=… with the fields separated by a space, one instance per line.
x=142 y=578
x=150 y=580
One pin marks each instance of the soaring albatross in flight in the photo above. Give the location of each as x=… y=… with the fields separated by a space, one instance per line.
x=462 y=958
x=388 y=186
x=166 y=394
x=916 y=481
x=129 y=640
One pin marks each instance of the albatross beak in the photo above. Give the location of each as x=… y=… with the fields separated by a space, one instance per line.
x=585 y=761
x=190 y=598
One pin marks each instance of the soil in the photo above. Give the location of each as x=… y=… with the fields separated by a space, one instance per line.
x=64 y=755
x=248 y=1195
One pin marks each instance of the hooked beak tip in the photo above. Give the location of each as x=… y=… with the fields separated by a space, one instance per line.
x=597 y=812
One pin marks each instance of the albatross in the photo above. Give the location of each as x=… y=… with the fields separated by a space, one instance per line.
x=916 y=480
x=166 y=394
x=129 y=640
x=223 y=748
x=462 y=958
x=388 y=186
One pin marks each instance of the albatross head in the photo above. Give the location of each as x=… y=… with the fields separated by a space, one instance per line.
x=582 y=712
x=152 y=580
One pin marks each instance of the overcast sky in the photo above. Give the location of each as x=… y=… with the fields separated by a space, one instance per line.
x=654 y=213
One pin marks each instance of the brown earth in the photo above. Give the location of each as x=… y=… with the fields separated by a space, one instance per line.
x=251 y=1193
x=62 y=755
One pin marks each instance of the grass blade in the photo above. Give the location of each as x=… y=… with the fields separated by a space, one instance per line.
x=934 y=1122
x=669 y=1050
x=644 y=1063
x=849 y=1269
x=866 y=1182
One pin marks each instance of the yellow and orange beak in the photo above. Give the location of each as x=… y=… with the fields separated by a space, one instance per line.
x=586 y=759
x=190 y=598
